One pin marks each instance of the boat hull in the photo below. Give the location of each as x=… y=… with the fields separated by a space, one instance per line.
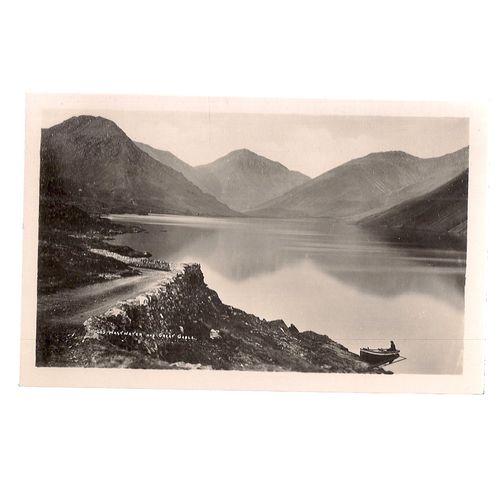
x=378 y=356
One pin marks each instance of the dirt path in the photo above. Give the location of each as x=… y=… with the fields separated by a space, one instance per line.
x=77 y=305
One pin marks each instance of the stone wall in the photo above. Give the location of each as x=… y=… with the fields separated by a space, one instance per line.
x=172 y=314
x=144 y=262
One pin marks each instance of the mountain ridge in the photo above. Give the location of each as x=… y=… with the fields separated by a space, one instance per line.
x=365 y=184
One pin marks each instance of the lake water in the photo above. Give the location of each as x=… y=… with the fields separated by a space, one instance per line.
x=338 y=280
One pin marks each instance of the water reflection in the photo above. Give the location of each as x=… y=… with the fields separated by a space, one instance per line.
x=334 y=279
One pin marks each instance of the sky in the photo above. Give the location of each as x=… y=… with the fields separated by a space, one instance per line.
x=311 y=144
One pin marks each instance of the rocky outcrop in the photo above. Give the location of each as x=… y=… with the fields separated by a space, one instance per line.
x=183 y=324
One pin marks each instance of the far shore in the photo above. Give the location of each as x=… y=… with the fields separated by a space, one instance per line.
x=415 y=238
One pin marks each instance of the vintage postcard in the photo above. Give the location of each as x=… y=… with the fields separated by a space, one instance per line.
x=235 y=243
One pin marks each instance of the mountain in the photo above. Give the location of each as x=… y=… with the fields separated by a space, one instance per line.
x=243 y=179
x=443 y=210
x=366 y=185
x=91 y=162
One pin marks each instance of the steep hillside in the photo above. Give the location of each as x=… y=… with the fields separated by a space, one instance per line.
x=90 y=162
x=443 y=210
x=371 y=183
x=169 y=159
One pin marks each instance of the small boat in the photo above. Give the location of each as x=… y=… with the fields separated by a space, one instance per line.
x=378 y=356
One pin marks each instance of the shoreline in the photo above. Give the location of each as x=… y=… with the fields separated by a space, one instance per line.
x=180 y=323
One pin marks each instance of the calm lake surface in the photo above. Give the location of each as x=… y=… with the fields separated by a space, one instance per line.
x=338 y=280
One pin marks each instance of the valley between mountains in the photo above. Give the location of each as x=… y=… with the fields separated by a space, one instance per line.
x=91 y=163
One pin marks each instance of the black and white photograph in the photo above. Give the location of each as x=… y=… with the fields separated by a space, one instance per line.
x=234 y=239
x=250 y=250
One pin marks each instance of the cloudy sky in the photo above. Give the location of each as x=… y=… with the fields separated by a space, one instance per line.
x=311 y=144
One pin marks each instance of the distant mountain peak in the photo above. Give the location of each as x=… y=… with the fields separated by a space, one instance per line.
x=245 y=155
x=243 y=151
x=243 y=179
x=240 y=179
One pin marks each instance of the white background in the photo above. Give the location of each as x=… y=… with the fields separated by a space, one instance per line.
x=69 y=443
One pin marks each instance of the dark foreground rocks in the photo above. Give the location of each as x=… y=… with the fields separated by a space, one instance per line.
x=183 y=324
